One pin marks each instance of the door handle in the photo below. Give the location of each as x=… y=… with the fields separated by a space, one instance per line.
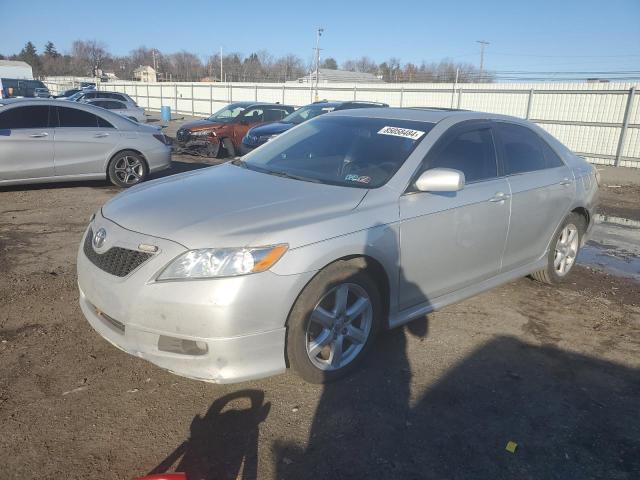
x=565 y=182
x=101 y=135
x=499 y=197
x=39 y=135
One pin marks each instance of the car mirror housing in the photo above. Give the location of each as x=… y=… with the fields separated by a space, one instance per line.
x=440 y=180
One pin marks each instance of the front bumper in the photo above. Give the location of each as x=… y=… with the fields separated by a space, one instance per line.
x=219 y=330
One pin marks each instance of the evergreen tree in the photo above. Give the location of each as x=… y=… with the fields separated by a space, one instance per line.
x=29 y=54
x=50 y=50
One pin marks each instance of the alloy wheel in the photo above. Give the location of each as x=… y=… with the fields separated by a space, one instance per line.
x=339 y=327
x=566 y=250
x=129 y=170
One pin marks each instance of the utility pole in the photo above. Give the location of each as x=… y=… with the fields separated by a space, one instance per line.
x=221 y=64
x=153 y=54
x=319 y=34
x=483 y=43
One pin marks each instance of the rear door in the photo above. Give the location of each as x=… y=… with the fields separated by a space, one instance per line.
x=83 y=142
x=542 y=188
x=26 y=142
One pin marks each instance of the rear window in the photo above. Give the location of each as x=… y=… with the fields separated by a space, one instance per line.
x=346 y=151
x=74 y=117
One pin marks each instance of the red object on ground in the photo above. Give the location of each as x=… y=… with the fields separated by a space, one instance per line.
x=165 y=476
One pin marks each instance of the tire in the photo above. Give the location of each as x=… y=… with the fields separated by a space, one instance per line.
x=565 y=247
x=312 y=345
x=230 y=150
x=127 y=168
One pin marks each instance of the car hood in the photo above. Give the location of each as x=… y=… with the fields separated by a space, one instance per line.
x=231 y=206
x=201 y=125
x=270 y=129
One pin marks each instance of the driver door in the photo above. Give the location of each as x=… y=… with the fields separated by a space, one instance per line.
x=249 y=118
x=450 y=240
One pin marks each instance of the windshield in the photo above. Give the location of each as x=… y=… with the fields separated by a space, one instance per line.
x=339 y=150
x=228 y=113
x=307 y=113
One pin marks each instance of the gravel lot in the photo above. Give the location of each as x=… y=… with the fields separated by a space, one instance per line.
x=556 y=370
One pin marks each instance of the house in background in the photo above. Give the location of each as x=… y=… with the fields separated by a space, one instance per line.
x=145 y=73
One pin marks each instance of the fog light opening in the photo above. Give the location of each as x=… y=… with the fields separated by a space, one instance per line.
x=182 y=346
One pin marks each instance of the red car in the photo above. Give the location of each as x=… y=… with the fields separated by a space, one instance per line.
x=221 y=134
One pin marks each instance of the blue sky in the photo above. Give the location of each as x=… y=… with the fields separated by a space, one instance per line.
x=524 y=35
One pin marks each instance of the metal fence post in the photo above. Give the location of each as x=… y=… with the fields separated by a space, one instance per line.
x=459 y=97
x=401 y=95
x=230 y=93
x=529 y=103
x=283 y=94
x=136 y=85
x=625 y=126
x=175 y=92
x=193 y=112
x=355 y=91
x=211 y=98
x=255 y=94
x=149 y=97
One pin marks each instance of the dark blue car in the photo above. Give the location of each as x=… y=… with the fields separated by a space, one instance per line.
x=263 y=133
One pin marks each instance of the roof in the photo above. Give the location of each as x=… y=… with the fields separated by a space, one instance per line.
x=14 y=63
x=327 y=75
x=430 y=115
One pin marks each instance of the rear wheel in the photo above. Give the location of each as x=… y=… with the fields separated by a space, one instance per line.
x=564 y=250
x=127 y=169
x=333 y=323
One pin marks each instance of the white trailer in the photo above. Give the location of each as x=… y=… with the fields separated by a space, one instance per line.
x=15 y=69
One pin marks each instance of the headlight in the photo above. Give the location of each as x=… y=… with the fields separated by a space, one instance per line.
x=203 y=133
x=222 y=262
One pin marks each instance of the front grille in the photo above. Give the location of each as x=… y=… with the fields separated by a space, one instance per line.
x=116 y=261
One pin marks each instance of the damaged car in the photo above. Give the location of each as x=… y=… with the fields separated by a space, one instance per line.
x=221 y=134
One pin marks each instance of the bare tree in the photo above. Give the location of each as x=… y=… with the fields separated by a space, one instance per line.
x=89 y=56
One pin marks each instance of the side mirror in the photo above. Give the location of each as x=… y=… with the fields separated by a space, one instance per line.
x=440 y=180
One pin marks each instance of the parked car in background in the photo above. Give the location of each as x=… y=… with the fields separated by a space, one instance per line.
x=353 y=222
x=222 y=132
x=256 y=136
x=134 y=113
x=51 y=141
x=85 y=95
x=16 y=88
x=88 y=85
x=68 y=93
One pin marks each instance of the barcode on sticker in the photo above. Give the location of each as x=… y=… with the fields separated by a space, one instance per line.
x=401 y=132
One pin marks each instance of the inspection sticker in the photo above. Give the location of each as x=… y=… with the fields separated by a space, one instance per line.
x=358 y=178
x=401 y=132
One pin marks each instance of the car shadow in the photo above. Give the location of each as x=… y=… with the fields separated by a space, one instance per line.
x=177 y=166
x=222 y=443
x=571 y=416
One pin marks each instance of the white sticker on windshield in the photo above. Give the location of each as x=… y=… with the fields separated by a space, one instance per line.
x=401 y=132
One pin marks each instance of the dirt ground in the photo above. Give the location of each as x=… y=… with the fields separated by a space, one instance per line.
x=556 y=370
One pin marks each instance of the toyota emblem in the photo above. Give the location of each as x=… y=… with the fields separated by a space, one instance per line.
x=99 y=238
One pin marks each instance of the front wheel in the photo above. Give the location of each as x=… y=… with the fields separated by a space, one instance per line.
x=333 y=323
x=564 y=250
x=127 y=169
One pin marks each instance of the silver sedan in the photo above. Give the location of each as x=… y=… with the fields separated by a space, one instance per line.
x=52 y=141
x=345 y=225
x=132 y=112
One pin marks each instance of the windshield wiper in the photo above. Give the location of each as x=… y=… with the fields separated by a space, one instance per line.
x=289 y=175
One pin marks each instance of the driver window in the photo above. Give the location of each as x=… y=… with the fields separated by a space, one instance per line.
x=253 y=115
x=471 y=151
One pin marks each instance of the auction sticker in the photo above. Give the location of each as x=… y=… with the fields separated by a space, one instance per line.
x=401 y=132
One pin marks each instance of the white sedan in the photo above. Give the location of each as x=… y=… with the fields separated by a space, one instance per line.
x=134 y=113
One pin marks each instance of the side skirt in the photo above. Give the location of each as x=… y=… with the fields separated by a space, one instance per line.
x=422 y=309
